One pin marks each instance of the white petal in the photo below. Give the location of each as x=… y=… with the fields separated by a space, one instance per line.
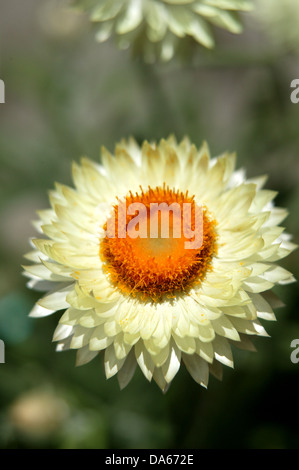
x=84 y=355
x=224 y=327
x=64 y=345
x=245 y=343
x=264 y=310
x=144 y=360
x=205 y=350
x=39 y=311
x=57 y=299
x=131 y=18
x=80 y=337
x=186 y=344
x=198 y=369
x=112 y=364
x=216 y=369
x=160 y=380
x=121 y=348
x=222 y=351
x=172 y=365
x=127 y=371
x=99 y=340
x=62 y=332
x=257 y=284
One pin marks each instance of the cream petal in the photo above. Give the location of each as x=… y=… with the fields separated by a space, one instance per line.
x=149 y=322
x=121 y=348
x=41 y=271
x=131 y=17
x=62 y=332
x=277 y=274
x=159 y=358
x=224 y=327
x=277 y=215
x=84 y=356
x=42 y=286
x=264 y=309
x=144 y=360
x=99 y=340
x=206 y=333
x=56 y=300
x=262 y=198
x=71 y=317
x=64 y=345
x=160 y=380
x=257 y=284
x=259 y=328
x=125 y=374
x=186 y=344
x=35 y=256
x=222 y=351
x=216 y=369
x=197 y=368
x=248 y=311
x=245 y=343
x=273 y=300
x=172 y=365
x=205 y=350
x=131 y=339
x=249 y=327
x=111 y=363
x=90 y=319
x=80 y=337
x=39 y=311
x=59 y=269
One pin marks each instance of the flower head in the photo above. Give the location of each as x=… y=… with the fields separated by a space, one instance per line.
x=160 y=255
x=157 y=26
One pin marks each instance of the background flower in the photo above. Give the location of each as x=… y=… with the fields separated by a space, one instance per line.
x=156 y=28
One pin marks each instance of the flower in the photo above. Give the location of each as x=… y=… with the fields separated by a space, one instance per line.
x=157 y=26
x=38 y=413
x=149 y=299
x=280 y=21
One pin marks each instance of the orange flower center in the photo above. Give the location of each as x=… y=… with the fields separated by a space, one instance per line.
x=158 y=243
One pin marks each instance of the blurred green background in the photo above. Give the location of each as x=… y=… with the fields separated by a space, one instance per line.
x=66 y=96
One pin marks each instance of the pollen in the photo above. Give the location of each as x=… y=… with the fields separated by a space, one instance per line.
x=158 y=243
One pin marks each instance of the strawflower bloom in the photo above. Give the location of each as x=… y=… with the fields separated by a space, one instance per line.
x=149 y=298
x=156 y=27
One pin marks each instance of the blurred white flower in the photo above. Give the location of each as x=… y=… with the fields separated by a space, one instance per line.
x=38 y=413
x=57 y=20
x=156 y=27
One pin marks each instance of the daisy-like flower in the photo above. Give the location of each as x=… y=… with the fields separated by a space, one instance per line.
x=157 y=26
x=153 y=300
